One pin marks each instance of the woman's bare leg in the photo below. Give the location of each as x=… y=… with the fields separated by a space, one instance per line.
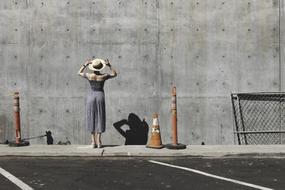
x=98 y=138
x=93 y=140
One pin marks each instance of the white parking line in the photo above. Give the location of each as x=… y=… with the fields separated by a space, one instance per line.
x=15 y=180
x=211 y=175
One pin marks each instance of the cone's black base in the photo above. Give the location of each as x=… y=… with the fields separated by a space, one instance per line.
x=156 y=147
x=22 y=143
x=175 y=146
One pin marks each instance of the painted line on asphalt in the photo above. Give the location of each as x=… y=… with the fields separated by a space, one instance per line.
x=15 y=180
x=211 y=175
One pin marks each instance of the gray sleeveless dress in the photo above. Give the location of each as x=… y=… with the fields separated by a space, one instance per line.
x=95 y=107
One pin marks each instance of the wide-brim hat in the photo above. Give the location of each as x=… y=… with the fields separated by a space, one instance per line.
x=97 y=65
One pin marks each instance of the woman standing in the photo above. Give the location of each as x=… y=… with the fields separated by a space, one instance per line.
x=95 y=104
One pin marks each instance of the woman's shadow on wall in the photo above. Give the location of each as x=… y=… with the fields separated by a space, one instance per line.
x=137 y=134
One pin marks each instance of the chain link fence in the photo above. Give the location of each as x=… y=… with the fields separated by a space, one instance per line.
x=259 y=118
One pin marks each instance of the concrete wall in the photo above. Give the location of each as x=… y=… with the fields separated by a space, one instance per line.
x=207 y=48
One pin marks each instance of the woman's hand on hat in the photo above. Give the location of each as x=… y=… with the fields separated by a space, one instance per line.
x=87 y=63
x=108 y=62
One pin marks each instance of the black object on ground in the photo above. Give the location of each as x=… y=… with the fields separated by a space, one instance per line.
x=26 y=143
x=49 y=138
x=175 y=146
x=22 y=143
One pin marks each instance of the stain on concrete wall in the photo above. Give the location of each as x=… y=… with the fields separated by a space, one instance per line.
x=208 y=49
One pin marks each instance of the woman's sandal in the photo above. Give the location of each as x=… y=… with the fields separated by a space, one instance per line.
x=93 y=145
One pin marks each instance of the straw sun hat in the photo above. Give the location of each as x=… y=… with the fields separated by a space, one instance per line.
x=97 y=65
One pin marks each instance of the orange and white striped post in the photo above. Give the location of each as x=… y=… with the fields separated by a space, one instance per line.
x=174 y=116
x=17 y=117
x=175 y=144
x=16 y=106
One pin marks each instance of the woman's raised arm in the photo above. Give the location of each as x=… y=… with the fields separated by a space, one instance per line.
x=81 y=70
x=113 y=71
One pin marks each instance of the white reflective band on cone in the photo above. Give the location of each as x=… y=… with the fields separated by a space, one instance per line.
x=155 y=130
x=155 y=122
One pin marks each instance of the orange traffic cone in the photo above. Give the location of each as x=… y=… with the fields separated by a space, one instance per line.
x=155 y=139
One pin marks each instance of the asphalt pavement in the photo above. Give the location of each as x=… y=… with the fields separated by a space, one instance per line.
x=229 y=167
x=74 y=173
